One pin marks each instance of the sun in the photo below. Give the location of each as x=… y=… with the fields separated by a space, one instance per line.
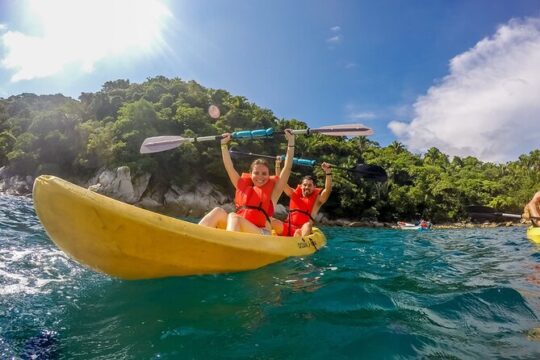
x=81 y=33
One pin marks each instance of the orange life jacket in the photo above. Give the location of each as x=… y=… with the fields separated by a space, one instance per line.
x=300 y=207
x=252 y=202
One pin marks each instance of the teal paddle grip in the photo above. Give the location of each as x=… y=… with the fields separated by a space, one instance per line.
x=299 y=161
x=247 y=134
x=304 y=162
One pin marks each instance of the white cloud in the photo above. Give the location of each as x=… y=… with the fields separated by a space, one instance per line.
x=334 y=39
x=489 y=104
x=79 y=34
x=362 y=116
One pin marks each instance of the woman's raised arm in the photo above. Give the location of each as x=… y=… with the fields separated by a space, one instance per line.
x=227 y=161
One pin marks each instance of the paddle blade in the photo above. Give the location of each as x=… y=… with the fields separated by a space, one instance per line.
x=161 y=143
x=482 y=216
x=344 y=130
x=485 y=212
x=370 y=172
x=480 y=209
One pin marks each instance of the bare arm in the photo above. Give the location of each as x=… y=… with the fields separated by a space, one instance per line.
x=325 y=194
x=536 y=199
x=286 y=189
x=227 y=161
x=278 y=165
x=286 y=172
x=533 y=208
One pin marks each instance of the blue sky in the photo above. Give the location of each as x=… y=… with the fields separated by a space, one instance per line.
x=461 y=75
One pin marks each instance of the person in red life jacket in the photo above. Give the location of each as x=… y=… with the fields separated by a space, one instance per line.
x=424 y=224
x=254 y=194
x=305 y=202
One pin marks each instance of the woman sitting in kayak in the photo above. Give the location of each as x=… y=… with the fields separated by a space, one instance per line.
x=532 y=210
x=254 y=193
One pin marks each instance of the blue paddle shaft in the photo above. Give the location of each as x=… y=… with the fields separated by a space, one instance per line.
x=304 y=162
x=299 y=161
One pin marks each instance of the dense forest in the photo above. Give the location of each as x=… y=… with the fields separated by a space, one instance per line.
x=58 y=135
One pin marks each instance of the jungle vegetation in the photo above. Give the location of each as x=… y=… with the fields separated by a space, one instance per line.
x=58 y=135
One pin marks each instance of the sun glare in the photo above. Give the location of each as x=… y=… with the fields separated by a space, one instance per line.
x=81 y=33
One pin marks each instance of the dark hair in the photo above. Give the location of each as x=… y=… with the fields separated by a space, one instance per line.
x=309 y=178
x=259 y=162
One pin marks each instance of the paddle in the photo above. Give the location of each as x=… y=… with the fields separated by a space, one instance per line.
x=163 y=143
x=369 y=172
x=485 y=212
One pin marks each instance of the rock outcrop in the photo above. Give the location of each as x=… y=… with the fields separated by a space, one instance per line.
x=15 y=184
x=173 y=200
x=188 y=203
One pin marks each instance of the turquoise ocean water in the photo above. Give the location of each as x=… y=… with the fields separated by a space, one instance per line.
x=370 y=294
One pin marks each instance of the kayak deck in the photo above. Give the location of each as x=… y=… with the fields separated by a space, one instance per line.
x=128 y=242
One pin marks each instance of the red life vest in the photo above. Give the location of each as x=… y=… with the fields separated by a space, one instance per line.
x=300 y=207
x=252 y=202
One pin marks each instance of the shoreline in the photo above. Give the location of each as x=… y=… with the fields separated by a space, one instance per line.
x=177 y=202
x=351 y=222
x=442 y=226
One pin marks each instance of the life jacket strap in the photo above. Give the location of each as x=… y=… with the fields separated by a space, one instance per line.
x=255 y=208
x=302 y=212
x=288 y=220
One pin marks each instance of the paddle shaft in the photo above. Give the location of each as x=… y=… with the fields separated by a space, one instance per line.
x=259 y=134
x=486 y=211
x=367 y=172
x=514 y=216
x=336 y=131
x=296 y=161
x=163 y=143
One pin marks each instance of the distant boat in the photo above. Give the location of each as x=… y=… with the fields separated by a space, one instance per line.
x=426 y=225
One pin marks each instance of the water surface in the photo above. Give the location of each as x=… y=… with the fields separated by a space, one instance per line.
x=371 y=293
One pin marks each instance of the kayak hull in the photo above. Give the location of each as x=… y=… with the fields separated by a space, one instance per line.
x=128 y=242
x=533 y=234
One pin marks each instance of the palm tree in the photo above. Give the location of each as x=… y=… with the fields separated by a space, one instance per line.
x=397 y=147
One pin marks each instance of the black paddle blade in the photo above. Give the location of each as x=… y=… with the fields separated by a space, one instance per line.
x=369 y=172
x=485 y=212
x=480 y=209
x=483 y=216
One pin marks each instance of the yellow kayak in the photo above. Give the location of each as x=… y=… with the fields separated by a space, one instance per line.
x=533 y=233
x=128 y=242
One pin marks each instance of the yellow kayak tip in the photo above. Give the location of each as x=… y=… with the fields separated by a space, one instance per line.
x=533 y=234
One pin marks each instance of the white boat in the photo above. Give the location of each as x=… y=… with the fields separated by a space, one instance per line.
x=408 y=226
